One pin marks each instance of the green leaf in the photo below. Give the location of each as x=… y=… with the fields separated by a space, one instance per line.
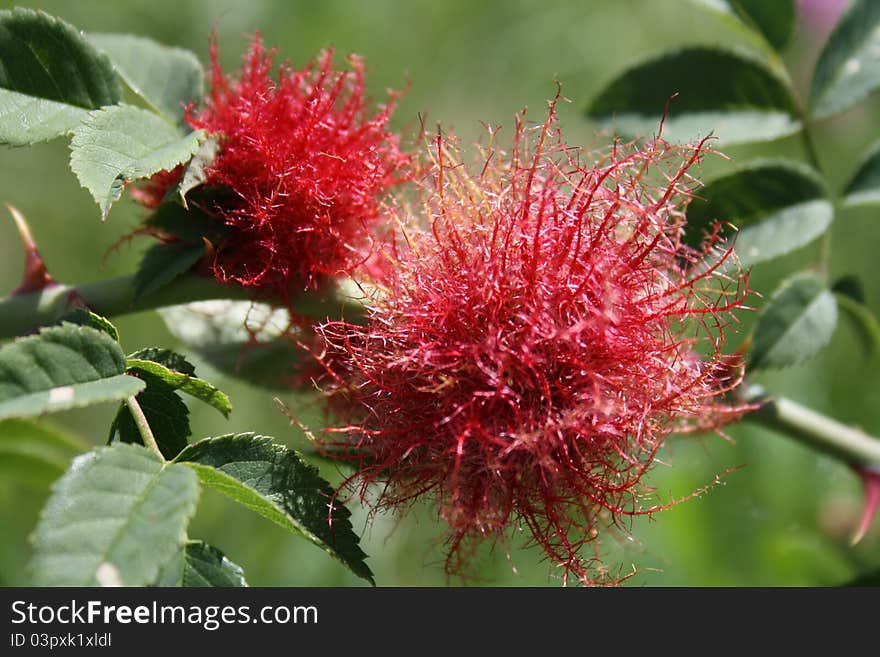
x=767 y=25
x=115 y=517
x=201 y=565
x=201 y=390
x=189 y=225
x=25 y=120
x=849 y=286
x=731 y=94
x=166 y=414
x=62 y=367
x=797 y=322
x=196 y=171
x=34 y=452
x=170 y=359
x=848 y=68
x=777 y=205
x=864 y=188
x=864 y=322
x=276 y=483
x=119 y=144
x=162 y=263
x=775 y=20
x=167 y=78
x=240 y=338
x=851 y=300
x=50 y=77
x=84 y=317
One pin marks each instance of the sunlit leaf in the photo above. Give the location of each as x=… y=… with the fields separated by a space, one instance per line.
x=729 y=94
x=62 y=367
x=50 y=77
x=120 y=144
x=114 y=518
x=167 y=78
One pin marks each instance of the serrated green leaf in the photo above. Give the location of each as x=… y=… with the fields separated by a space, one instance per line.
x=62 y=367
x=848 y=68
x=50 y=77
x=117 y=145
x=201 y=565
x=239 y=338
x=34 y=452
x=25 y=120
x=84 y=317
x=732 y=95
x=201 y=390
x=276 y=483
x=777 y=205
x=166 y=414
x=170 y=359
x=196 y=171
x=864 y=188
x=162 y=263
x=167 y=78
x=797 y=322
x=115 y=517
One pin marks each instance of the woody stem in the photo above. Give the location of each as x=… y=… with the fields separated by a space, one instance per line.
x=849 y=444
x=21 y=314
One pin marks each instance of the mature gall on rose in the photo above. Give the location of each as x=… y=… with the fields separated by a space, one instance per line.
x=542 y=329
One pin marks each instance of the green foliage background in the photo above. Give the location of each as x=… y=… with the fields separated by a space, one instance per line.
x=783 y=518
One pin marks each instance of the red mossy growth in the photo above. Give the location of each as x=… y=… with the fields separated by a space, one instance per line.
x=536 y=342
x=306 y=165
x=301 y=167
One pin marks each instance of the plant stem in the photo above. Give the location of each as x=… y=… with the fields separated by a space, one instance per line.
x=851 y=445
x=143 y=426
x=813 y=158
x=21 y=314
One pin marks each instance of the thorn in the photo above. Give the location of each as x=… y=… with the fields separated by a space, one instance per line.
x=210 y=251
x=870 y=477
x=206 y=264
x=36 y=277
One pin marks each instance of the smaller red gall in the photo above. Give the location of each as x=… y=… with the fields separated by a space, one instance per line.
x=302 y=167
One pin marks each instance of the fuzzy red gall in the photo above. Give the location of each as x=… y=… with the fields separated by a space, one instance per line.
x=302 y=167
x=538 y=336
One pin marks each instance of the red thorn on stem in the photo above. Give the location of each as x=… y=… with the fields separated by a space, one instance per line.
x=36 y=277
x=871 y=481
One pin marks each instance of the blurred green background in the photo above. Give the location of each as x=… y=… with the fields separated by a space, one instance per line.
x=782 y=519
